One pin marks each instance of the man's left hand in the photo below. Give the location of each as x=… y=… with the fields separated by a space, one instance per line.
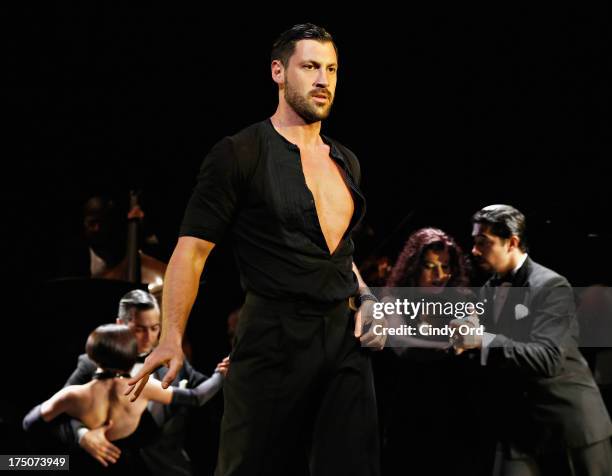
x=364 y=328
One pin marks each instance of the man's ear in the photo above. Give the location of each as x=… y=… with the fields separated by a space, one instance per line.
x=514 y=243
x=278 y=72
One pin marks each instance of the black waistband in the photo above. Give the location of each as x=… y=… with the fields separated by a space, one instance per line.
x=296 y=305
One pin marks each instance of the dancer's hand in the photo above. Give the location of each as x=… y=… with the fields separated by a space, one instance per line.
x=223 y=367
x=98 y=446
x=364 y=328
x=166 y=353
x=468 y=339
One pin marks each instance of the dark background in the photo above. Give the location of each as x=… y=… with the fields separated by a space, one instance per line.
x=448 y=110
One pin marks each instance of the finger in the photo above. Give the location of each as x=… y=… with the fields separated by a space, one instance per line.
x=101 y=461
x=147 y=369
x=358 y=324
x=112 y=450
x=369 y=339
x=380 y=343
x=112 y=457
x=140 y=388
x=171 y=374
x=109 y=459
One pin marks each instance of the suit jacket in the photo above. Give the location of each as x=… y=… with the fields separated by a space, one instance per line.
x=164 y=452
x=541 y=388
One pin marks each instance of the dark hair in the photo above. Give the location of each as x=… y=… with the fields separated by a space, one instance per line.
x=112 y=347
x=136 y=299
x=407 y=268
x=284 y=46
x=503 y=221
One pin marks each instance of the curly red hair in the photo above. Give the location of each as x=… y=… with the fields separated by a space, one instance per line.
x=407 y=268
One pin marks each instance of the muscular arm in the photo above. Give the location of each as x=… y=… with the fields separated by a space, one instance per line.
x=180 y=290
x=181 y=285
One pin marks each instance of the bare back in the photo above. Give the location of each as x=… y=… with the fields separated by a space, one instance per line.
x=100 y=401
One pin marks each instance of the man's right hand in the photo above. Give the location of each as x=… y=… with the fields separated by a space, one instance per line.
x=170 y=355
x=98 y=446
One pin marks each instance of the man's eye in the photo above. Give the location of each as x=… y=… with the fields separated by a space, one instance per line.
x=332 y=70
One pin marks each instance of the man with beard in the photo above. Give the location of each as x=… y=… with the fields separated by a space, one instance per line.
x=549 y=415
x=299 y=397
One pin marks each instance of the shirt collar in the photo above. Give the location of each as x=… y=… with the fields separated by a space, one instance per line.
x=333 y=149
x=519 y=265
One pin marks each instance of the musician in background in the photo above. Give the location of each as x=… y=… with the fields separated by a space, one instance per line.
x=103 y=249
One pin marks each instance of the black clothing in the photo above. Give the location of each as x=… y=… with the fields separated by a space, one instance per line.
x=299 y=394
x=299 y=391
x=542 y=395
x=252 y=186
x=163 y=448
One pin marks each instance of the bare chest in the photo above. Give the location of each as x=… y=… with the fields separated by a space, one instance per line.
x=333 y=199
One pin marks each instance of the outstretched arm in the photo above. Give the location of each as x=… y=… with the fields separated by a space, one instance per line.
x=191 y=397
x=198 y=396
x=43 y=413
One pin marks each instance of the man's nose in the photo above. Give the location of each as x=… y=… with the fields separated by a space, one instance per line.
x=322 y=79
x=475 y=251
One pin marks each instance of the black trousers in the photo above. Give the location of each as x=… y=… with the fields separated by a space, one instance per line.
x=299 y=395
x=592 y=460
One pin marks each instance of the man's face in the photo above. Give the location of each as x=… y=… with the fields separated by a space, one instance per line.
x=146 y=327
x=491 y=252
x=310 y=79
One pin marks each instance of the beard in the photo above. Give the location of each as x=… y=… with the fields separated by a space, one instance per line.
x=302 y=105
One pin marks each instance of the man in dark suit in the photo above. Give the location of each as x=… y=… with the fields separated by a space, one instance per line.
x=163 y=426
x=549 y=415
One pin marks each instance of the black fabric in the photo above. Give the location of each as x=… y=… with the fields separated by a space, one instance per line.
x=299 y=395
x=252 y=187
x=163 y=453
x=592 y=460
x=429 y=389
x=540 y=392
x=108 y=374
x=198 y=396
x=33 y=421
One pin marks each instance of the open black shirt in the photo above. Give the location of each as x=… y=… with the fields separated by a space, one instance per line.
x=251 y=186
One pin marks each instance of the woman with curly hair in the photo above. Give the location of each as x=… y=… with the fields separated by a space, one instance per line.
x=429 y=379
x=430 y=258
